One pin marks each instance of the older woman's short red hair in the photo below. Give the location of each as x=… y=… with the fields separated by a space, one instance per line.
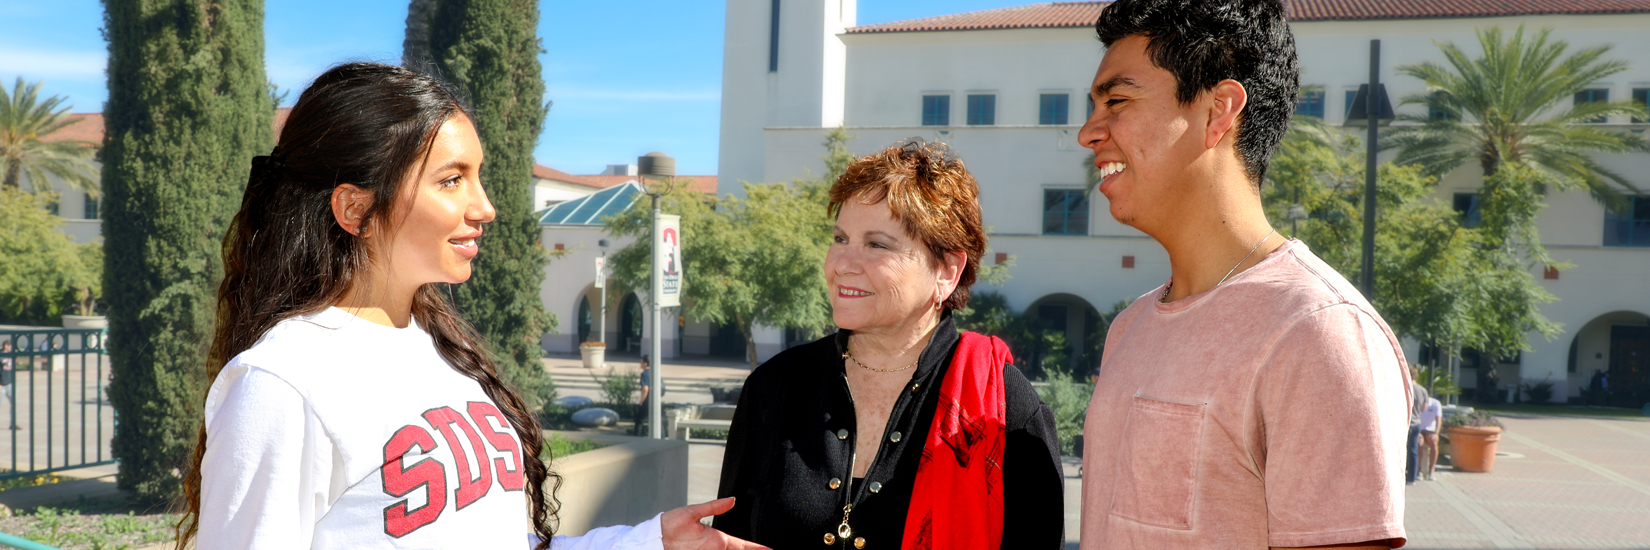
x=930 y=194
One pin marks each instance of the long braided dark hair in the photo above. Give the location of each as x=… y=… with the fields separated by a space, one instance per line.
x=284 y=255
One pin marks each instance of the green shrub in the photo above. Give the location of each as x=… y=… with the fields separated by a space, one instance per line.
x=42 y=272
x=1474 y=419
x=558 y=446
x=1539 y=392
x=1070 y=402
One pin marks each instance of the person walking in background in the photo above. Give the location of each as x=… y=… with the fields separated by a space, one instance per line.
x=350 y=405
x=645 y=389
x=1432 y=420
x=1418 y=398
x=896 y=431
x=1255 y=399
x=8 y=369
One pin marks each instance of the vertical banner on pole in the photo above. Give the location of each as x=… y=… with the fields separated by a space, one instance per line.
x=667 y=259
x=667 y=292
x=601 y=272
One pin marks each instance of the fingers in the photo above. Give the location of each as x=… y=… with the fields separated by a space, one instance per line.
x=743 y=544
x=712 y=508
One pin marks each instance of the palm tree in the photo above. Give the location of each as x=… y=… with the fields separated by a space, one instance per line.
x=23 y=122
x=1509 y=106
x=1511 y=110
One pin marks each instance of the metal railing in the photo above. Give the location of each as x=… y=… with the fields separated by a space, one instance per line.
x=53 y=427
x=21 y=543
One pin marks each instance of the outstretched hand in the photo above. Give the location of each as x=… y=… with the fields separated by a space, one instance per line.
x=682 y=530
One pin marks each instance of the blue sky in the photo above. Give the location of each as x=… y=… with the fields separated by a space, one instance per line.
x=626 y=77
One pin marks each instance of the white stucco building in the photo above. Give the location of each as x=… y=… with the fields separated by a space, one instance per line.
x=1007 y=90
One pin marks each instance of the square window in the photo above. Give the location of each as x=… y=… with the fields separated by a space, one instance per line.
x=1052 y=108
x=1309 y=103
x=936 y=110
x=1436 y=106
x=1350 y=95
x=982 y=110
x=1466 y=204
x=1641 y=97
x=1630 y=227
x=1091 y=107
x=91 y=207
x=1065 y=212
x=1594 y=95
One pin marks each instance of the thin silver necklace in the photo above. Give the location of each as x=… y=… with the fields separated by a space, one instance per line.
x=1165 y=297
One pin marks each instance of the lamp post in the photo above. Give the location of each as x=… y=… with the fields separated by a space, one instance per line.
x=660 y=166
x=1370 y=108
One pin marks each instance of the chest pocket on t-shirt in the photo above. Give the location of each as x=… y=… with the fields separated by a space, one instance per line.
x=1157 y=474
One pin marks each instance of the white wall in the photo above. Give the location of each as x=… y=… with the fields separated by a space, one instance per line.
x=888 y=73
x=805 y=90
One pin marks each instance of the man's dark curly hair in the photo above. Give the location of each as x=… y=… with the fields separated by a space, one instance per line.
x=1202 y=42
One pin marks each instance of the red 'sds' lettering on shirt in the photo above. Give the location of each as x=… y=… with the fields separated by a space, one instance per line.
x=509 y=474
x=398 y=481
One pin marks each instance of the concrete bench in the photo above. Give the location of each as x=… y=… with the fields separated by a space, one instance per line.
x=682 y=426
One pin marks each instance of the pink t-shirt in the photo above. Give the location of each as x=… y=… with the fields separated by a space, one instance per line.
x=1272 y=410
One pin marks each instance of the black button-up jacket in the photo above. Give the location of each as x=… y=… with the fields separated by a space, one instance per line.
x=789 y=458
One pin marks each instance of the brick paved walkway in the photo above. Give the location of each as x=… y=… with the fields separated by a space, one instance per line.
x=1565 y=482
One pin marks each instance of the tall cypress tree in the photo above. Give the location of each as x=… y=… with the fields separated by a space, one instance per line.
x=188 y=108
x=490 y=48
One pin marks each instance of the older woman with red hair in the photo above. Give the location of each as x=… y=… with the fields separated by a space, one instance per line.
x=896 y=431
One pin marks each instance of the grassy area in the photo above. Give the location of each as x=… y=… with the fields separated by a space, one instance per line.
x=1572 y=410
x=92 y=524
x=558 y=445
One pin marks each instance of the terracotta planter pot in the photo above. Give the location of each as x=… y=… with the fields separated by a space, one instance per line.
x=1472 y=449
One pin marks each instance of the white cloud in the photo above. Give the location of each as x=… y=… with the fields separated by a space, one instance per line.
x=35 y=63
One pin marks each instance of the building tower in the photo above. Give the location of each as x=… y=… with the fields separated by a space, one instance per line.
x=783 y=65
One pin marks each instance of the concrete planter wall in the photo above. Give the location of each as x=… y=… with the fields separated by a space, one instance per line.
x=627 y=482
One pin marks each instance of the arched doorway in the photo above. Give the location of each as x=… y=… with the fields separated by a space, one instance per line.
x=584 y=320
x=1610 y=360
x=1072 y=334
x=630 y=324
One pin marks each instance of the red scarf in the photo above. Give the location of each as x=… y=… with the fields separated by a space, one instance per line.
x=957 y=503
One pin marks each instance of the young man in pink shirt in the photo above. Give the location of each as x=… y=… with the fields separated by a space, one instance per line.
x=1256 y=399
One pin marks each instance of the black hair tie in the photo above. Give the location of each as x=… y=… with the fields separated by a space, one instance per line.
x=268 y=167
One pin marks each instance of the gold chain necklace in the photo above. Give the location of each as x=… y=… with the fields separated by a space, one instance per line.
x=1166 y=288
x=850 y=357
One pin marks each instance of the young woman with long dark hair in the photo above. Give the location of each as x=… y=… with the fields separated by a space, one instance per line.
x=350 y=405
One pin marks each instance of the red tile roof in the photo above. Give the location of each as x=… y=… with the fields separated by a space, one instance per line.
x=88 y=127
x=703 y=184
x=543 y=172
x=1083 y=14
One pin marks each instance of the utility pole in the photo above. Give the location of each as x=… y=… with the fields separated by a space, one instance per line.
x=1366 y=279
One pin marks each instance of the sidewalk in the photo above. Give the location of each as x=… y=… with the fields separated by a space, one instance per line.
x=1559 y=482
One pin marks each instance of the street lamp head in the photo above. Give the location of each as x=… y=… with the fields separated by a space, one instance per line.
x=1358 y=116
x=602 y=243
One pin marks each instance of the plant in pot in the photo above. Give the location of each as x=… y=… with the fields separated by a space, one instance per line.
x=594 y=354
x=1473 y=437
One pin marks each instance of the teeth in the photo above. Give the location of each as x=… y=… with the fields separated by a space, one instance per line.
x=847 y=292
x=1107 y=169
x=464 y=242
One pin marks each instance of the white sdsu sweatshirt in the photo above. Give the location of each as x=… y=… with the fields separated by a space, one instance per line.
x=335 y=432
